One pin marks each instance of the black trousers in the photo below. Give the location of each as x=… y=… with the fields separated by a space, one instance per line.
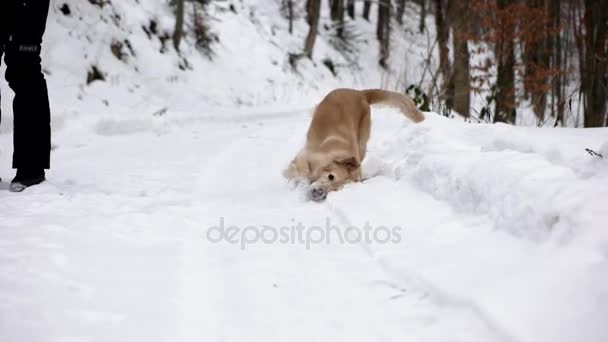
x=22 y=24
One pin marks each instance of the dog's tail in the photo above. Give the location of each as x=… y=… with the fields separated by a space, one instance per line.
x=405 y=103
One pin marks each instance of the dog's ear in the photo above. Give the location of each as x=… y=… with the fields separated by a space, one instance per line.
x=299 y=167
x=351 y=164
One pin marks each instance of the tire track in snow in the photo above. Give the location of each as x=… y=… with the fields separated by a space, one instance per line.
x=215 y=277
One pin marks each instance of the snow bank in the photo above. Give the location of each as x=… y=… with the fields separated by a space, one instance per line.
x=531 y=182
x=532 y=262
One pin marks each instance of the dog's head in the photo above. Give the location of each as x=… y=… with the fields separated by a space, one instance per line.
x=330 y=174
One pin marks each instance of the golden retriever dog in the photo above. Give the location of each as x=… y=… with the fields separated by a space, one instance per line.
x=336 y=141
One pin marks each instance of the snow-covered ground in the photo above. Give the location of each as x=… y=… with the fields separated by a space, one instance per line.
x=502 y=231
x=503 y=237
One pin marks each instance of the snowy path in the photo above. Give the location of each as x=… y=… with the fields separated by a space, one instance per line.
x=113 y=247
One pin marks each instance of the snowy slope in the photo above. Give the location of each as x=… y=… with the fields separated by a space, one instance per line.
x=503 y=228
x=249 y=65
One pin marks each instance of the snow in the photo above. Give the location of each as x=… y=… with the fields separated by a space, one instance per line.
x=116 y=248
x=503 y=229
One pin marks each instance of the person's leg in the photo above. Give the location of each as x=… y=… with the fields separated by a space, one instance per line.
x=5 y=31
x=32 y=130
x=2 y=40
x=1 y=54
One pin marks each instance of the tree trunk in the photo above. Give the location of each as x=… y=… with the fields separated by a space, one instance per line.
x=595 y=85
x=350 y=8
x=422 y=15
x=537 y=50
x=380 y=21
x=400 y=11
x=179 y=24
x=336 y=9
x=383 y=31
x=313 y=9
x=367 y=4
x=337 y=15
x=460 y=81
x=555 y=36
x=290 y=10
x=443 y=33
x=505 y=57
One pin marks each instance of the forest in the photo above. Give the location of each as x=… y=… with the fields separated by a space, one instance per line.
x=546 y=56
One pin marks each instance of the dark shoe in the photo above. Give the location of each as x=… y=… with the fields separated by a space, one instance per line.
x=26 y=178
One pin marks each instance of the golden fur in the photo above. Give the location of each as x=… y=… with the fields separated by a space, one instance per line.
x=336 y=142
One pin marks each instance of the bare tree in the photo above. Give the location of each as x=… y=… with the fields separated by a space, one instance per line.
x=383 y=30
x=367 y=4
x=422 y=15
x=179 y=24
x=505 y=78
x=554 y=46
x=337 y=15
x=537 y=48
x=313 y=9
x=290 y=11
x=400 y=11
x=460 y=74
x=443 y=33
x=350 y=8
x=594 y=74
